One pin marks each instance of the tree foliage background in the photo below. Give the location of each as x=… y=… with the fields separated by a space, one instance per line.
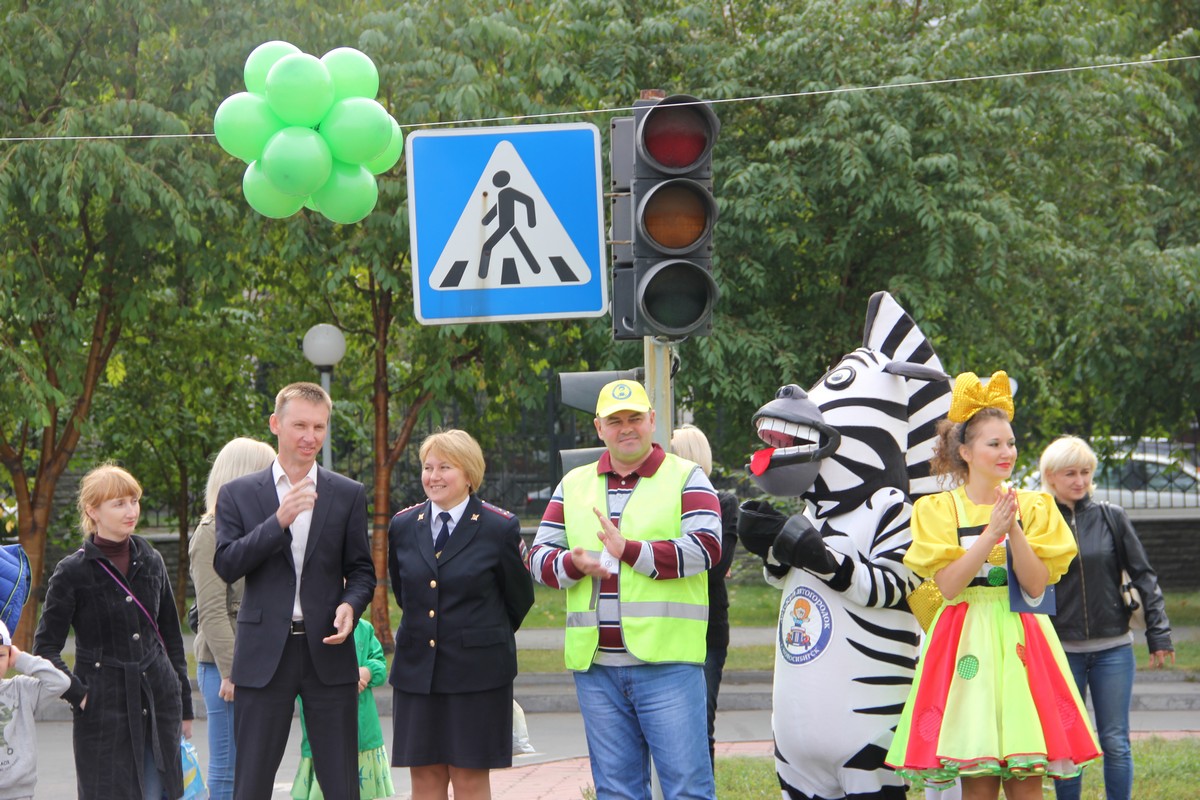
x=1043 y=224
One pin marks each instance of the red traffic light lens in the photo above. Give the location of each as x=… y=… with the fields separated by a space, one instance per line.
x=676 y=137
x=677 y=215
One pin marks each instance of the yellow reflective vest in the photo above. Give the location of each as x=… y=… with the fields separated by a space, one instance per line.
x=662 y=621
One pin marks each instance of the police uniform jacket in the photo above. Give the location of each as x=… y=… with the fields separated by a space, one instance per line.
x=460 y=611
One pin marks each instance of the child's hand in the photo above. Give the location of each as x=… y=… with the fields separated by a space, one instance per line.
x=13 y=652
x=364 y=678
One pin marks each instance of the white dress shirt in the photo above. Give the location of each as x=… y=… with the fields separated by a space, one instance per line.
x=299 y=526
x=455 y=515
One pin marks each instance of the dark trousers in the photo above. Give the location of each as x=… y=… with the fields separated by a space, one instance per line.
x=714 y=666
x=262 y=720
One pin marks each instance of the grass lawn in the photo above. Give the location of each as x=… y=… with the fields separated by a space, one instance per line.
x=756 y=605
x=1162 y=768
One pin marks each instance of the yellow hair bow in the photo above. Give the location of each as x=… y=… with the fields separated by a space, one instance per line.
x=970 y=395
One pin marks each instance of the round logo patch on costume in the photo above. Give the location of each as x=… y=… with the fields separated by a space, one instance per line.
x=805 y=626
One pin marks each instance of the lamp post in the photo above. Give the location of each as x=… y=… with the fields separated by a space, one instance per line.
x=324 y=346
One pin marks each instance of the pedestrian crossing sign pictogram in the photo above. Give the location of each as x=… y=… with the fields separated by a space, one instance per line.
x=506 y=224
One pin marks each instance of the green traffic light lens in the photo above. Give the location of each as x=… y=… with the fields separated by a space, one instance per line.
x=677 y=297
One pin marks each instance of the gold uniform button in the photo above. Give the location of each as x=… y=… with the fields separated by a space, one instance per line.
x=433 y=584
x=431 y=643
x=431 y=614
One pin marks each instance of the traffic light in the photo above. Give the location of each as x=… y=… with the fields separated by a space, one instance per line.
x=662 y=230
x=580 y=390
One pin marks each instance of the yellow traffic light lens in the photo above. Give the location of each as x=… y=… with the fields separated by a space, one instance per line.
x=677 y=215
x=674 y=217
x=676 y=137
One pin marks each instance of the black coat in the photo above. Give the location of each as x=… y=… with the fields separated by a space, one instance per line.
x=133 y=685
x=1090 y=605
x=460 y=611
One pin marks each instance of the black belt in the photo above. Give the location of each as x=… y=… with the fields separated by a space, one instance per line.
x=297 y=627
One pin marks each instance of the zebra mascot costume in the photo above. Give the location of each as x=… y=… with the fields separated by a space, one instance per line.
x=856 y=447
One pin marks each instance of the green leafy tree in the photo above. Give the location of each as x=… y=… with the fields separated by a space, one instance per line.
x=88 y=226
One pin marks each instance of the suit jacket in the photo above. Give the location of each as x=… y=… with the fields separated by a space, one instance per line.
x=460 y=610
x=337 y=569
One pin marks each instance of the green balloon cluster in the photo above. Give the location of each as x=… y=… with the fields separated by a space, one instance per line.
x=310 y=131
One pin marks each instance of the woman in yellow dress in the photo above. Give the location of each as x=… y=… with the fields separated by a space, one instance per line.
x=993 y=701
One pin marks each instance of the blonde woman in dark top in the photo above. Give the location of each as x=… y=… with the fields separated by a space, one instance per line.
x=217 y=604
x=1093 y=619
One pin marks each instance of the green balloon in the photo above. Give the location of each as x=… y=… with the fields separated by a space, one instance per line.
x=353 y=72
x=260 y=61
x=349 y=194
x=243 y=124
x=388 y=158
x=264 y=198
x=356 y=129
x=300 y=89
x=297 y=161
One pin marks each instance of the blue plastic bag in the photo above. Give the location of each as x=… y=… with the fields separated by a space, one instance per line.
x=193 y=778
x=14 y=584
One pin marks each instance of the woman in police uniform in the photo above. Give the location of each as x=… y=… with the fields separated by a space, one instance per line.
x=459 y=577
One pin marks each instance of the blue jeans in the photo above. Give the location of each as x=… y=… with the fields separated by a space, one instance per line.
x=222 y=751
x=152 y=785
x=1109 y=674
x=631 y=714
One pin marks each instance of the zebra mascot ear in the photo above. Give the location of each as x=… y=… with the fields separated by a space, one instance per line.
x=891 y=331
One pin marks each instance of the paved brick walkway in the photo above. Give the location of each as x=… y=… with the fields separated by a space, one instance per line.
x=567 y=779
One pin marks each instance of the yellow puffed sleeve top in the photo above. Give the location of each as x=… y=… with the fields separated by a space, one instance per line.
x=935 y=526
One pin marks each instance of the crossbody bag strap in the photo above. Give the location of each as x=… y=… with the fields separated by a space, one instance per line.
x=132 y=596
x=1118 y=538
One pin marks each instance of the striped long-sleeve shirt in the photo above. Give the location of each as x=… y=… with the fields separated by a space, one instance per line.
x=694 y=550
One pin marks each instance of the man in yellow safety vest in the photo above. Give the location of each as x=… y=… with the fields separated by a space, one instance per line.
x=630 y=538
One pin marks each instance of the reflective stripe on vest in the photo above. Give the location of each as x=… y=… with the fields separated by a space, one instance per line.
x=661 y=621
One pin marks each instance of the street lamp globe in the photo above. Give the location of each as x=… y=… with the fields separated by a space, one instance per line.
x=324 y=346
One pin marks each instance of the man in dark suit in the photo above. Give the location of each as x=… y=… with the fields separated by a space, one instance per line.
x=298 y=535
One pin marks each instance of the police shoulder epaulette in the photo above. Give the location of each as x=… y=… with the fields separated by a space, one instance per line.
x=410 y=508
x=497 y=510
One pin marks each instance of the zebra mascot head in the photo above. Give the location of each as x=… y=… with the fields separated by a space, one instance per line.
x=868 y=422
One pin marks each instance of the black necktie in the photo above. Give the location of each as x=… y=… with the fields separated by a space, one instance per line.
x=443 y=536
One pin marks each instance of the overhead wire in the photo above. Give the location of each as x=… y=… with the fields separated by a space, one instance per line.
x=719 y=101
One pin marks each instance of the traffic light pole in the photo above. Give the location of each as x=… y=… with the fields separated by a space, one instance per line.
x=658 y=359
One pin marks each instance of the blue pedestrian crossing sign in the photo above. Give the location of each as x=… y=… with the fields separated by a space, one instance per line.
x=506 y=224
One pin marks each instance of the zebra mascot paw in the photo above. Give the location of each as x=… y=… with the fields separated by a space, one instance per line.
x=759 y=524
x=799 y=544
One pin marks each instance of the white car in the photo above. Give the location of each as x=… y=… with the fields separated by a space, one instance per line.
x=1148 y=480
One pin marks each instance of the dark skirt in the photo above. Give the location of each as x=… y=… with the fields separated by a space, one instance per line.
x=471 y=730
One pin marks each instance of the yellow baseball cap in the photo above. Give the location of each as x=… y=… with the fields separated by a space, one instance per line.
x=622 y=396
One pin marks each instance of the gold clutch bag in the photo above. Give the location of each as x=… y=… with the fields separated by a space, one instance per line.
x=925 y=601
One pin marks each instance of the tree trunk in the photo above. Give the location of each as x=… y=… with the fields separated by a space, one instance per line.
x=33 y=520
x=182 y=506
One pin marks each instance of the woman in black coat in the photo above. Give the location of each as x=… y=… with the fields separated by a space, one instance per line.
x=464 y=593
x=129 y=688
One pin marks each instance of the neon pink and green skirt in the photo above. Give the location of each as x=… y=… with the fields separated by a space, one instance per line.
x=993 y=696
